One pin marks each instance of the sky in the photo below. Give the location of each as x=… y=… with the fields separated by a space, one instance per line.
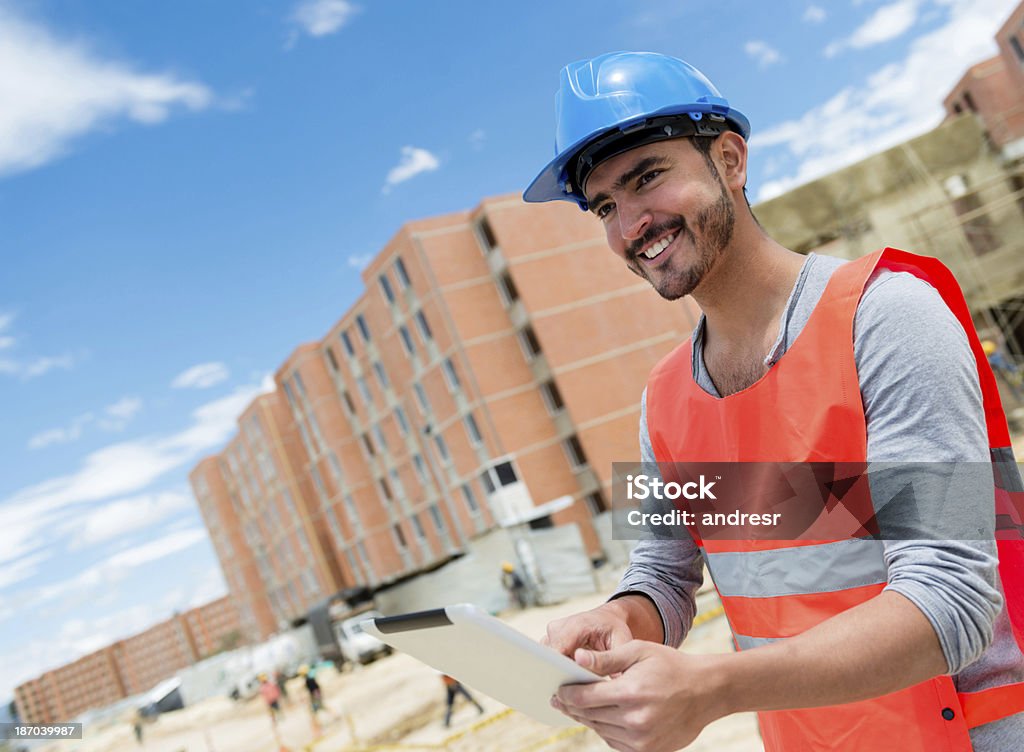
x=189 y=190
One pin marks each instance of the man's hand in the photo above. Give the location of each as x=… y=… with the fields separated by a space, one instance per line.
x=608 y=626
x=658 y=699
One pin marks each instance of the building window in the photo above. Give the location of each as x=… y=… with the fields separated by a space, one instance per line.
x=382 y=377
x=346 y=342
x=451 y=377
x=331 y=360
x=507 y=289
x=402 y=421
x=421 y=468
x=957 y=108
x=529 y=342
x=505 y=474
x=574 y=451
x=470 y=497
x=385 y=489
x=596 y=503
x=299 y=385
x=368 y=445
x=474 y=431
x=442 y=448
x=364 y=330
x=402 y=274
x=349 y=404
x=400 y=537
x=423 y=326
x=378 y=436
x=407 y=343
x=552 y=397
x=385 y=287
x=1017 y=48
x=969 y=101
x=485 y=478
x=421 y=397
x=417 y=528
x=486 y=235
x=364 y=390
x=435 y=515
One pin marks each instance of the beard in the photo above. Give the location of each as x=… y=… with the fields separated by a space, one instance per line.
x=715 y=223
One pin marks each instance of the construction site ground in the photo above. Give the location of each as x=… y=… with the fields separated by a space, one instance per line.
x=397 y=703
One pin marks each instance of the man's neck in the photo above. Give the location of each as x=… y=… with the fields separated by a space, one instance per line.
x=744 y=294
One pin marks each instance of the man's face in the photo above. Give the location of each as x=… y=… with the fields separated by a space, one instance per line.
x=666 y=213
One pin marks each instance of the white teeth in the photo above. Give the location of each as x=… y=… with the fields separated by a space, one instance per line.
x=660 y=246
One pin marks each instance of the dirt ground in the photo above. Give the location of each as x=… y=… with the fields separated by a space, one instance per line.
x=397 y=704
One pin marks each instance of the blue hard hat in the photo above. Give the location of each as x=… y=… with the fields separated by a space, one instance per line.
x=621 y=100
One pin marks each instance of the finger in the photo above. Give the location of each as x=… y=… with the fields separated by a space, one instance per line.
x=608 y=662
x=596 y=695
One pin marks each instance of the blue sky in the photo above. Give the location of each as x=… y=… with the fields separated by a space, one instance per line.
x=187 y=191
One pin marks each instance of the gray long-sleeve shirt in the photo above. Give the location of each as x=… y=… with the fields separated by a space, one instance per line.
x=919 y=386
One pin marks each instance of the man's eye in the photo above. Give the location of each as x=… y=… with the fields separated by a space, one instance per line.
x=648 y=177
x=604 y=210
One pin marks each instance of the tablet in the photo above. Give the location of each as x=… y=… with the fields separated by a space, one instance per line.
x=485 y=654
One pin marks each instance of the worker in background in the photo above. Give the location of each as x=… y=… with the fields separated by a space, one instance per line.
x=1004 y=367
x=453 y=687
x=513 y=584
x=271 y=695
x=316 y=699
x=903 y=643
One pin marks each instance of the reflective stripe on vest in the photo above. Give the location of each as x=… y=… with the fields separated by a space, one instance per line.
x=808 y=408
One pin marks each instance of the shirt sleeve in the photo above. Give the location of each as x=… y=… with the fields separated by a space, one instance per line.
x=668 y=572
x=926 y=436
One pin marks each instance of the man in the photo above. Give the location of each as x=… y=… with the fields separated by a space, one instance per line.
x=453 y=688
x=271 y=695
x=852 y=644
x=513 y=584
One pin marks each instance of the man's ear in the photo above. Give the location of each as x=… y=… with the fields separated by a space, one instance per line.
x=732 y=151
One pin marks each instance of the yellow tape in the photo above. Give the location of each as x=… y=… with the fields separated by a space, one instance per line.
x=708 y=615
x=554 y=738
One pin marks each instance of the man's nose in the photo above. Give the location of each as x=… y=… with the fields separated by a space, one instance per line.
x=634 y=219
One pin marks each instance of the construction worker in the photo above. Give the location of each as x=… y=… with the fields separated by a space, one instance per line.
x=513 y=584
x=271 y=695
x=860 y=644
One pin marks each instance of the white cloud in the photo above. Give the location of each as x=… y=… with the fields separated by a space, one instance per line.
x=209 y=588
x=22 y=569
x=116 y=567
x=202 y=376
x=895 y=103
x=29 y=515
x=64 y=435
x=886 y=23
x=762 y=52
x=413 y=162
x=319 y=18
x=54 y=90
x=117 y=416
x=30 y=369
x=360 y=260
x=477 y=139
x=126 y=516
x=814 y=14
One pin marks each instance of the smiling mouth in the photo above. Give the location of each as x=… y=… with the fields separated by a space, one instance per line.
x=656 y=249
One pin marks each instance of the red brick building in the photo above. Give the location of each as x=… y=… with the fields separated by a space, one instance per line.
x=494 y=363
x=994 y=89
x=129 y=666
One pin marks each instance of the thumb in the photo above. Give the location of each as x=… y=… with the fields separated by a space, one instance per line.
x=609 y=662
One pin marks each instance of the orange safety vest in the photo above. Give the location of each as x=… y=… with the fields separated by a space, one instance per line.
x=773 y=589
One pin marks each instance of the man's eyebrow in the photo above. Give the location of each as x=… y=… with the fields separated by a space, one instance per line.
x=630 y=175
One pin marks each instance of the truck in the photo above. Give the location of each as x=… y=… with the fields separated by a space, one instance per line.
x=335 y=624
